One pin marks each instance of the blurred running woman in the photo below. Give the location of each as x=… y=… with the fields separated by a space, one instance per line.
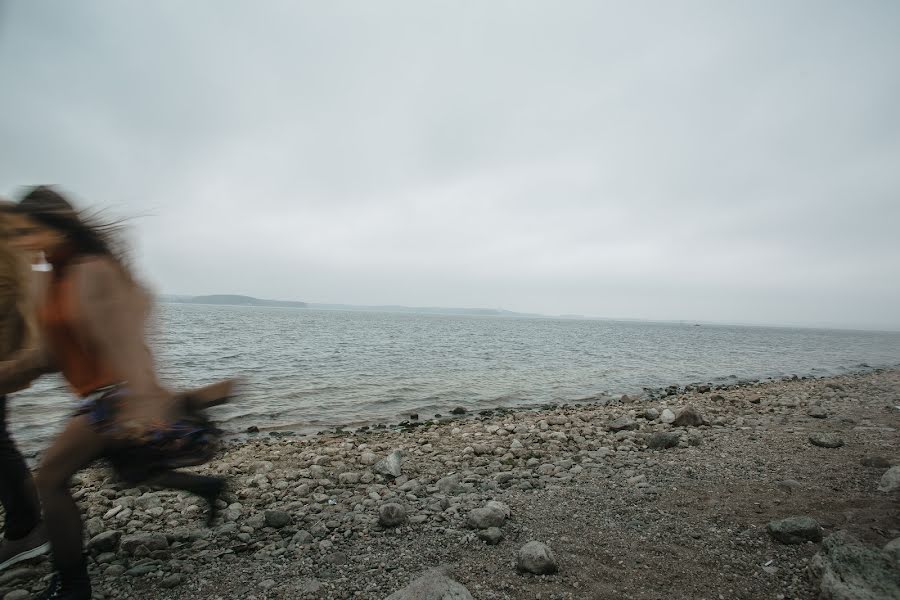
x=93 y=322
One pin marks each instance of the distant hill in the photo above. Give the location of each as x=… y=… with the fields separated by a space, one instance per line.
x=239 y=300
x=236 y=300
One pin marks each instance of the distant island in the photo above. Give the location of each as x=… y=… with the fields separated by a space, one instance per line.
x=239 y=300
x=236 y=300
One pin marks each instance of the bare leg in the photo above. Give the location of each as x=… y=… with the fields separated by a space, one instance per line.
x=76 y=447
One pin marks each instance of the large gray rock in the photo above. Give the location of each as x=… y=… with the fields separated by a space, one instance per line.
x=391 y=515
x=688 y=417
x=623 y=423
x=795 y=530
x=846 y=569
x=826 y=440
x=389 y=465
x=893 y=550
x=432 y=585
x=537 y=558
x=663 y=439
x=667 y=416
x=890 y=481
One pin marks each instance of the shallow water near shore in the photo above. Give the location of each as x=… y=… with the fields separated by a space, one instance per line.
x=316 y=368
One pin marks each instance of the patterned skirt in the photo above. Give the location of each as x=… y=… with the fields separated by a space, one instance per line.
x=191 y=439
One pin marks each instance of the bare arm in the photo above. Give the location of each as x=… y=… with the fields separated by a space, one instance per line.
x=22 y=368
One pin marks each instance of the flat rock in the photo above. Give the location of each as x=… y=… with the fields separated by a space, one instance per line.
x=795 y=530
x=391 y=515
x=152 y=541
x=389 y=465
x=688 y=417
x=876 y=462
x=623 y=423
x=890 y=481
x=826 y=440
x=846 y=569
x=434 y=584
x=535 y=557
x=817 y=412
x=105 y=542
x=663 y=439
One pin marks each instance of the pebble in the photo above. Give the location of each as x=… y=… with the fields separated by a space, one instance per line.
x=795 y=530
x=890 y=481
x=391 y=515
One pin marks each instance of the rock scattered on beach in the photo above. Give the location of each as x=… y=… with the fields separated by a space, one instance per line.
x=817 y=412
x=535 y=557
x=491 y=536
x=795 y=530
x=390 y=465
x=276 y=519
x=434 y=584
x=391 y=515
x=490 y=515
x=876 y=462
x=623 y=423
x=663 y=439
x=890 y=481
x=459 y=410
x=826 y=440
x=651 y=414
x=846 y=569
x=688 y=417
x=667 y=416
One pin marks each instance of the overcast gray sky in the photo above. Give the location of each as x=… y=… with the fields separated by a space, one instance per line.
x=724 y=161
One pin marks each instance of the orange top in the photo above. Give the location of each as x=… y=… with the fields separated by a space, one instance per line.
x=76 y=357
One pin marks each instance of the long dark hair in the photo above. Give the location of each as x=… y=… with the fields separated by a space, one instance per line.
x=88 y=233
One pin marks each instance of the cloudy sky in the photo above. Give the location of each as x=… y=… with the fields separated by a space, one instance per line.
x=721 y=161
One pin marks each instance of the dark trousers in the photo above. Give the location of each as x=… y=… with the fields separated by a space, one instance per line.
x=17 y=491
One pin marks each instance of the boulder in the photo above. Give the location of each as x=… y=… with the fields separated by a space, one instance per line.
x=846 y=569
x=535 y=557
x=434 y=584
x=795 y=530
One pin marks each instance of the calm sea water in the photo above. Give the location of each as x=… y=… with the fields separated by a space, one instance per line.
x=314 y=368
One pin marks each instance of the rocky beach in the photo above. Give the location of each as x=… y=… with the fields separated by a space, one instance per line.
x=775 y=489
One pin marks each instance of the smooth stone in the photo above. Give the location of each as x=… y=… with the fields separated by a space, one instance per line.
x=817 y=412
x=17 y=595
x=152 y=541
x=485 y=517
x=826 y=440
x=105 y=542
x=667 y=416
x=173 y=580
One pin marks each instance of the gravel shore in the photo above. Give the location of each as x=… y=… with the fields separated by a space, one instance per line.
x=627 y=503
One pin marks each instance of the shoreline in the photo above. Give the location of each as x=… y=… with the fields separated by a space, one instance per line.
x=631 y=506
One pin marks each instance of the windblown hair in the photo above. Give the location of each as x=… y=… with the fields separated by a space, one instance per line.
x=88 y=232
